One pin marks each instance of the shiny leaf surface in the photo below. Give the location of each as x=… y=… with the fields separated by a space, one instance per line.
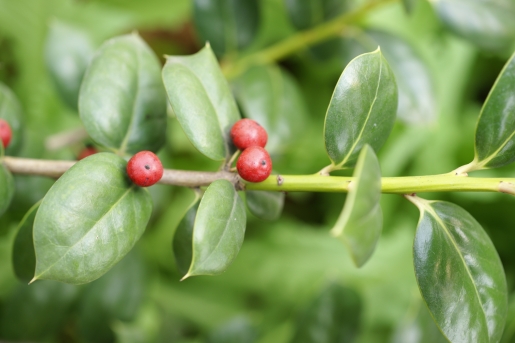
x=361 y=221
x=362 y=109
x=183 y=239
x=228 y=25
x=11 y=111
x=265 y=205
x=333 y=316
x=305 y=14
x=459 y=273
x=122 y=102
x=488 y=24
x=24 y=257
x=202 y=101
x=419 y=328
x=218 y=231
x=68 y=51
x=91 y=217
x=272 y=97
x=495 y=132
x=6 y=188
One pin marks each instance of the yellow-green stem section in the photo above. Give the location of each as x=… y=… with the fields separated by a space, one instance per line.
x=299 y=41
x=392 y=185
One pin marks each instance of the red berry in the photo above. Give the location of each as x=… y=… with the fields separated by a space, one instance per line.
x=5 y=133
x=86 y=152
x=145 y=168
x=246 y=133
x=254 y=164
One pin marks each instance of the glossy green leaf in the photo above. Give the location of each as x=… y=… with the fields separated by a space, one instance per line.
x=459 y=273
x=202 y=101
x=305 y=14
x=361 y=220
x=183 y=239
x=91 y=217
x=228 y=25
x=6 y=188
x=417 y=98
x=419 y=327
x=362 y=109
x=272 y=97
x=11 y=111
x=24 y=256
x=218 y=231
x=237 y=330
x=488 y=24
x=265 y=205
x=333 y=316
x=122 y=102
x=495 y=132
x=68 y=51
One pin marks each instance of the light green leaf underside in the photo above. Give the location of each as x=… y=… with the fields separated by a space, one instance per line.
x=361 y=220
x=202 y=101
x=183 y=239
x=91 y=217
x=362 y=109
x=218 y=231
x=459 y=273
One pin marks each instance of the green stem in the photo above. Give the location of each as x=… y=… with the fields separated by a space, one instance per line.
x=392 y=185
x=300 y=40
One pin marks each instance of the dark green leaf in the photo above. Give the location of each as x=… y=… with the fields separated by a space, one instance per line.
x=115 y=296
x=271 y=97
x=228 y=25
x=202 y=101
x=91 y=217
x=68 y=51
x=459 y=273
x=6 y=188
x=11 y=111
x=265 y=205
x=122 y=102
x=237 y=330
x=495 y=132
x=305 y=14
x=409 y=5
x=417 y=103
x=362 y=109
x=24 y=257
x=183 y=239
x=361 y=221
x=218 y=231
x=488 y=24
x=333 y=316
x=36 y=312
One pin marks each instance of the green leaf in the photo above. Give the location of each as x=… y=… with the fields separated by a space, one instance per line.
x=362 y=109
x=272 y=97
x=333 y=316
x=265 y=205
x=417 y=98
x=361 y=221
x=122 y=102
x=11 y=111
x=488 y=24
x=218 y=231
x=459 y=273
x=306 y=14
x=228 y=25
x=419 y=327
x=91 y=217
x=183 y=239
x=202 y=101
x=495 y=132
x=6 y=188
x=24 y=256
x=68 y=51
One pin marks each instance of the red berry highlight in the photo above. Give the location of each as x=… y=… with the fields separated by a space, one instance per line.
x=254 y=164
x=145 y=169
x=247 y=133
x=86 y=152
x=5 y=133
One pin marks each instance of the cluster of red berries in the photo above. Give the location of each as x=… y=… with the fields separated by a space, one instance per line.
x=5 y=133
x=254 y=163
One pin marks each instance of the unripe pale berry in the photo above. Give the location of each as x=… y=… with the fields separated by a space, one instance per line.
x=5 y=133
x=86 y=152
x=145 y=169
x=246 y=133
x=254 y=164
